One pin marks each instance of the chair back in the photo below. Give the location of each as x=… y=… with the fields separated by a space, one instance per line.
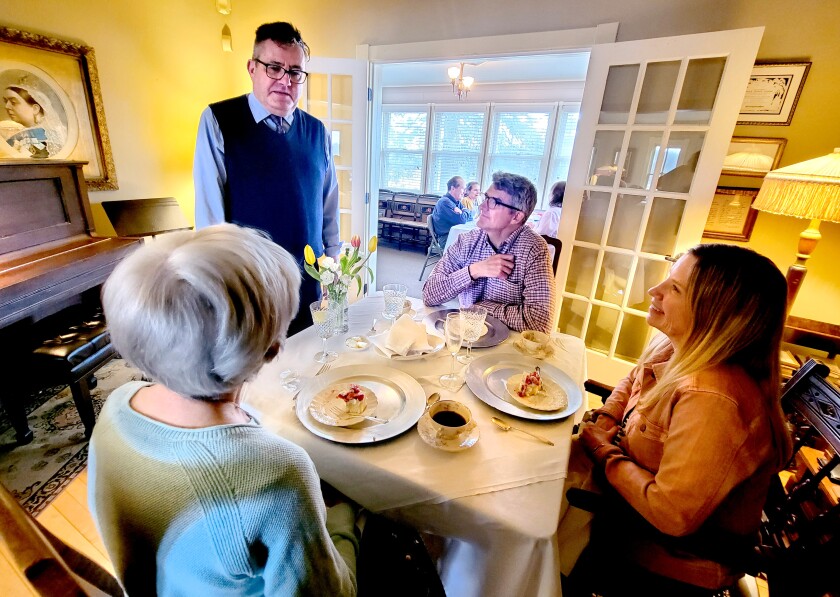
x=49 y=566
x=385 y=198
x=555 y=245
x=800 y=532
x=405 y=206
x=425 y=207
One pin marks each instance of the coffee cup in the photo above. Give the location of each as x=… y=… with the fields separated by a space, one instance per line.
x=450 y=419
x=534 y=341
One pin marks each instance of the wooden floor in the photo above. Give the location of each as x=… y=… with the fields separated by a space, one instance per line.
x=69 y=519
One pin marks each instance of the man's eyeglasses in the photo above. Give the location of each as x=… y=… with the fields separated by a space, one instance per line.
x=492 y=202
x=275 y=71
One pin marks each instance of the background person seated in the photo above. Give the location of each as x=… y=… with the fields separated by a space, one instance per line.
x=549 y=223
x=449 y=210
x=502 y=265
x=190 y=494
x=470 y=199
x=688 y=442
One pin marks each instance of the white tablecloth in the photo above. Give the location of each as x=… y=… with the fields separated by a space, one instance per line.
x=497 y=504
x=456 y=231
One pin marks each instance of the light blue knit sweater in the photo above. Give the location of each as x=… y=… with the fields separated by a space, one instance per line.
x=226 y=510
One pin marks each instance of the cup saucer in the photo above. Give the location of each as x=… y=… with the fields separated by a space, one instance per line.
x=456 y=444
x=545 y=352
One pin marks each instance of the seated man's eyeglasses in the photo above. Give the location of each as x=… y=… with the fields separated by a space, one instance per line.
x=492 y=202
x=275 y=71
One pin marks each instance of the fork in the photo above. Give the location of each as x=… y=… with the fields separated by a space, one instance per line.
x=324 y=368
x=339 y=415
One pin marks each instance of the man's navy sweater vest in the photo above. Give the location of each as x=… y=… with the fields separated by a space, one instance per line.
x=275 y=182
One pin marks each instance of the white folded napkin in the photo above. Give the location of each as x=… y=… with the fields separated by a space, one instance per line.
x=407 y=335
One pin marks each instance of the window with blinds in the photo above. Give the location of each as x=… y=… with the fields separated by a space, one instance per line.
x=403 y=150
x=456 y=144
x=472 y=142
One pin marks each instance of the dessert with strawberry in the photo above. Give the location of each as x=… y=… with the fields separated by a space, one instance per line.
x=531 y=384
x=353 y=399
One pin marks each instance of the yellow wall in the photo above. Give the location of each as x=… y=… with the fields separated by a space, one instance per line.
x=160 y=63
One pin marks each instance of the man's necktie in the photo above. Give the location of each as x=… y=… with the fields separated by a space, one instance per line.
x=280 y=123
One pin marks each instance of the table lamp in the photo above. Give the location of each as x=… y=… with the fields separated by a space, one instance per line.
x=810 y=190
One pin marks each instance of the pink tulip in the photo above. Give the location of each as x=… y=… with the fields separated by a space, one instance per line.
x=355 y=241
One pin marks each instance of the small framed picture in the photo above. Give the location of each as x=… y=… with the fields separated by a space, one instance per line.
x=731 y=216
x=753 y=156
x=773 y=92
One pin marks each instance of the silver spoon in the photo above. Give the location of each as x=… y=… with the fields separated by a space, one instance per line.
x=508 y=427
x=432 y=399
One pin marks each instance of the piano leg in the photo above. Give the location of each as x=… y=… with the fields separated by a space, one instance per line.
x=16 y=412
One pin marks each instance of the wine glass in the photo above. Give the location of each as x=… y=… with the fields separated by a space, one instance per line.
x=394 y=300
x=472 y=319
x=453 y=332
x=324 y=319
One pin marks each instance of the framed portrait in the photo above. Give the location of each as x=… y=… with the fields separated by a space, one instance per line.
x=731 y=216
x=773 y=92
x=52 y=105
x=753 y=156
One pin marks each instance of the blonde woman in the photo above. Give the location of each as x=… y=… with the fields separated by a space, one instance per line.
x=688 y=442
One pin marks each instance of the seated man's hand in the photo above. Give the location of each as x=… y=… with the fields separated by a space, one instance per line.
x=457 y=210
x=495 y=266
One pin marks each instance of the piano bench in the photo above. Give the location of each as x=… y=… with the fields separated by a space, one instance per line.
x=72 y=355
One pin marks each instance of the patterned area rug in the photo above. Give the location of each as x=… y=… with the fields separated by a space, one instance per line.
x=36 y=473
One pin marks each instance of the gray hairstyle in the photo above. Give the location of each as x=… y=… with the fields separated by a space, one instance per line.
x=520 y=189
x=453 y=182
x=200 y=311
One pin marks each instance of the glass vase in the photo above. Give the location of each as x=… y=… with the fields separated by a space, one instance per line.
x=337 y=296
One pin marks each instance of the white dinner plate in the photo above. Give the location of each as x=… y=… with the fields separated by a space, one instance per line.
x=487 y=378
x=400 y=398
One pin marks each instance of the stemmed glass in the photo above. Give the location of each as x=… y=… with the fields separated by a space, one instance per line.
x=453 y=332
x=324 y=319
x=472 y=320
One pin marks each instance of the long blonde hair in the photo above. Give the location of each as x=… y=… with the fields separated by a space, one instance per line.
x=738 y=302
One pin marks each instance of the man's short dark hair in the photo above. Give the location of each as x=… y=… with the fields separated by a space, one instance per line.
x=520 y=189
x=283 y=34
x=453 y=182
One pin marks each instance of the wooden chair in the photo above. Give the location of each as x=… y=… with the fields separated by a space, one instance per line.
x=51 y=567
x=554 y=248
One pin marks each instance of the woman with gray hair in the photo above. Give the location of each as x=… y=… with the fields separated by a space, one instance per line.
x=190 y=494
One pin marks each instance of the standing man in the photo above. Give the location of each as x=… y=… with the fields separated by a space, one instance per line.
x=502 y=265
x=262 y=163
x=449 y=210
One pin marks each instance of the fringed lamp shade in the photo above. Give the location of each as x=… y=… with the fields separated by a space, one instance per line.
x=811 y=190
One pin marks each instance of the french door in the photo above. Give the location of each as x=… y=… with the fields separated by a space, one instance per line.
x=656 y=118
x=336 y=94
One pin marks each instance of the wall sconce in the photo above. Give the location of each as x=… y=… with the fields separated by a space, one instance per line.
x=461 y=85
x=227 y=40
x=223 y=6
x=810 y=190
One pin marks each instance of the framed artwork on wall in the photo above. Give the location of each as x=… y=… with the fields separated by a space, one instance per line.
x=753 y=156
x=52 y=105
x=773 y=92
x=731 y=216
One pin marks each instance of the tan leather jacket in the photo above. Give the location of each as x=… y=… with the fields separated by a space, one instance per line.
x=702 y=458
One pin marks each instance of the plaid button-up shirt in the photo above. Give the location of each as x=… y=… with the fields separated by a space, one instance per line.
x=524 y=301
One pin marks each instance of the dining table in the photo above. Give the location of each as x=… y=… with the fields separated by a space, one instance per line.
x=495 y=505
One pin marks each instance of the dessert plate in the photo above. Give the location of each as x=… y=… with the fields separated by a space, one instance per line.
x=327 y=408
x=497 y=332
x=550 y=397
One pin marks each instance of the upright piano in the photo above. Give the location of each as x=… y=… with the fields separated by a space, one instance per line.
x=49 y=260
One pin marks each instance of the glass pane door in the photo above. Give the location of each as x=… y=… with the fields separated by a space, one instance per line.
x=655 y=121
x=336 y=94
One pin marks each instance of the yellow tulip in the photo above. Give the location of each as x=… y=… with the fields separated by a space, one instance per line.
x=309 y=255
x=372 y=244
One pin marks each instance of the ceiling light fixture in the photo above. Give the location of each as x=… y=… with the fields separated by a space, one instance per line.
x=461 y=85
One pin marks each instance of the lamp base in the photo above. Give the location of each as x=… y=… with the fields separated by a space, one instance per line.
x=795 y=275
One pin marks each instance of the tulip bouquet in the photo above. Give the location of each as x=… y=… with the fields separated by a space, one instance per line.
x=335 y=275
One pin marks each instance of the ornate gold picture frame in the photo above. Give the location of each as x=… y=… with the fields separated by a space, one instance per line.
x=773 y=92
x=52 y=105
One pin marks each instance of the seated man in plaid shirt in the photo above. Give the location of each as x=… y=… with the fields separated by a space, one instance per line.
x=502 y=265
